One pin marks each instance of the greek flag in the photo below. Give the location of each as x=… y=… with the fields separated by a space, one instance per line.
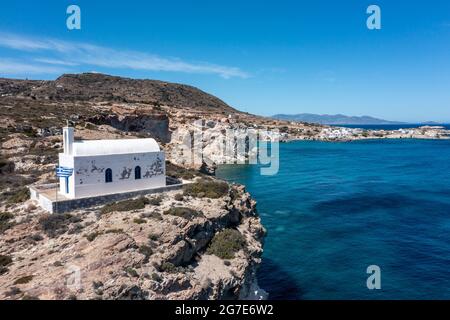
x=63 y=172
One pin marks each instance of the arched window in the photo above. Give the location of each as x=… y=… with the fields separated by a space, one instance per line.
x=108 y=176
x=137 y=173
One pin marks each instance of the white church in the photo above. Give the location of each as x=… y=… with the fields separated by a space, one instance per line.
x=100 y=167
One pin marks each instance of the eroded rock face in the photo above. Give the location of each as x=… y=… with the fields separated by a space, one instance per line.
x=212 y=142
x=141 y=254
x=156 y=125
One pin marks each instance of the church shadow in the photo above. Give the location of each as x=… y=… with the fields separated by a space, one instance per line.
x=277 y=282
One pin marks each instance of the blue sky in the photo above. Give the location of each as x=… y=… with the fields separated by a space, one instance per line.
x=264 y=57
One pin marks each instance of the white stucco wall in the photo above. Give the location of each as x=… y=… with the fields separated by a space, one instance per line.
x=89 y=173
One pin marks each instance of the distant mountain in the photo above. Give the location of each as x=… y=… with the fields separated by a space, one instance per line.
x=432 y=123
x=337 y=119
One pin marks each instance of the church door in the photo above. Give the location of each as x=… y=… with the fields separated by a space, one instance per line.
x=137 y=173
x=108 y=176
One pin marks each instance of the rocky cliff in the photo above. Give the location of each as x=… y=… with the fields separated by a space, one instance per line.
x=167 y=247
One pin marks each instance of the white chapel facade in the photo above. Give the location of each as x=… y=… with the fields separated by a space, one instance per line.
x=101 y=167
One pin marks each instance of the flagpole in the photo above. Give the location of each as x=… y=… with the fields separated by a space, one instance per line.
x=57 y=187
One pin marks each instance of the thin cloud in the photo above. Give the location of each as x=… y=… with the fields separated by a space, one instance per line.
x=56 y=62
x=76 y=53
x=14 y=42
x=327 y=76
x=14 y=67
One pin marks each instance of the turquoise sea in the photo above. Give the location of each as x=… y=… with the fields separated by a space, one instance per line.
x=336 y=208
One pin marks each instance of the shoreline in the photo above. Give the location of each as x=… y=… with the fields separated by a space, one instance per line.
x=345 y=134
x=362 y=139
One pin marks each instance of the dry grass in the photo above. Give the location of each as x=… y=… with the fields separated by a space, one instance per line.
x=186 y=213
x=126 y=205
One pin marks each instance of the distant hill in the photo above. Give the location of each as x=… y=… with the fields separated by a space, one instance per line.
x=337 y=119
x=100 y=87
x=432 y=123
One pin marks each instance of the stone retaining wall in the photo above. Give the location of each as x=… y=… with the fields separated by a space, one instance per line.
x=62 y=206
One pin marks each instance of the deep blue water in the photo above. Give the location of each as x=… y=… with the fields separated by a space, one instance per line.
x=335 y=208
x=392 y=126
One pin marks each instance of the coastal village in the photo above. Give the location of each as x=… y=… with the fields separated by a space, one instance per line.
x=202 y=239
x=350 y=134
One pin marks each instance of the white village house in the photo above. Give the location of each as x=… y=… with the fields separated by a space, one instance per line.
x=95 y=171
x=110 y=166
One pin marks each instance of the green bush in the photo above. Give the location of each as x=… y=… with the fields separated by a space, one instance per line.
x=171 y=268
x=3 y=163
x=92 y=236
x=186 y=213
x=36 y=237
x=132 y=272
x=23 y=280
x=14 y=291
x=3 y=270
x=90 y=126
x=5 y=261
x=153 y=236
x=5 y=223
x=27 y=297
x=126 y=205
x=6 y=166
x=116 y=231
x=226 y=243
x=54 y=225
x=139 y=220
x=30 y=132
x=156 y=277
x=180 y=172
x=168 y=267
x=207 y=189
x=179 y=197
x=19 y=196
x=5 y=216
x=76 y=228
x=146 y=251
x=11 y=183
x=156 y=201
x=152 y=215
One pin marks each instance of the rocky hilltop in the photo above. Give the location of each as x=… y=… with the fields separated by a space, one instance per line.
x=94 y=87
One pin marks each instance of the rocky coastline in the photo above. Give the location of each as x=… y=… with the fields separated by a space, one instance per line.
x=205 y=243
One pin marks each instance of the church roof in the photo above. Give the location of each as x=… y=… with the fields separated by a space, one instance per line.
x=118 y=146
